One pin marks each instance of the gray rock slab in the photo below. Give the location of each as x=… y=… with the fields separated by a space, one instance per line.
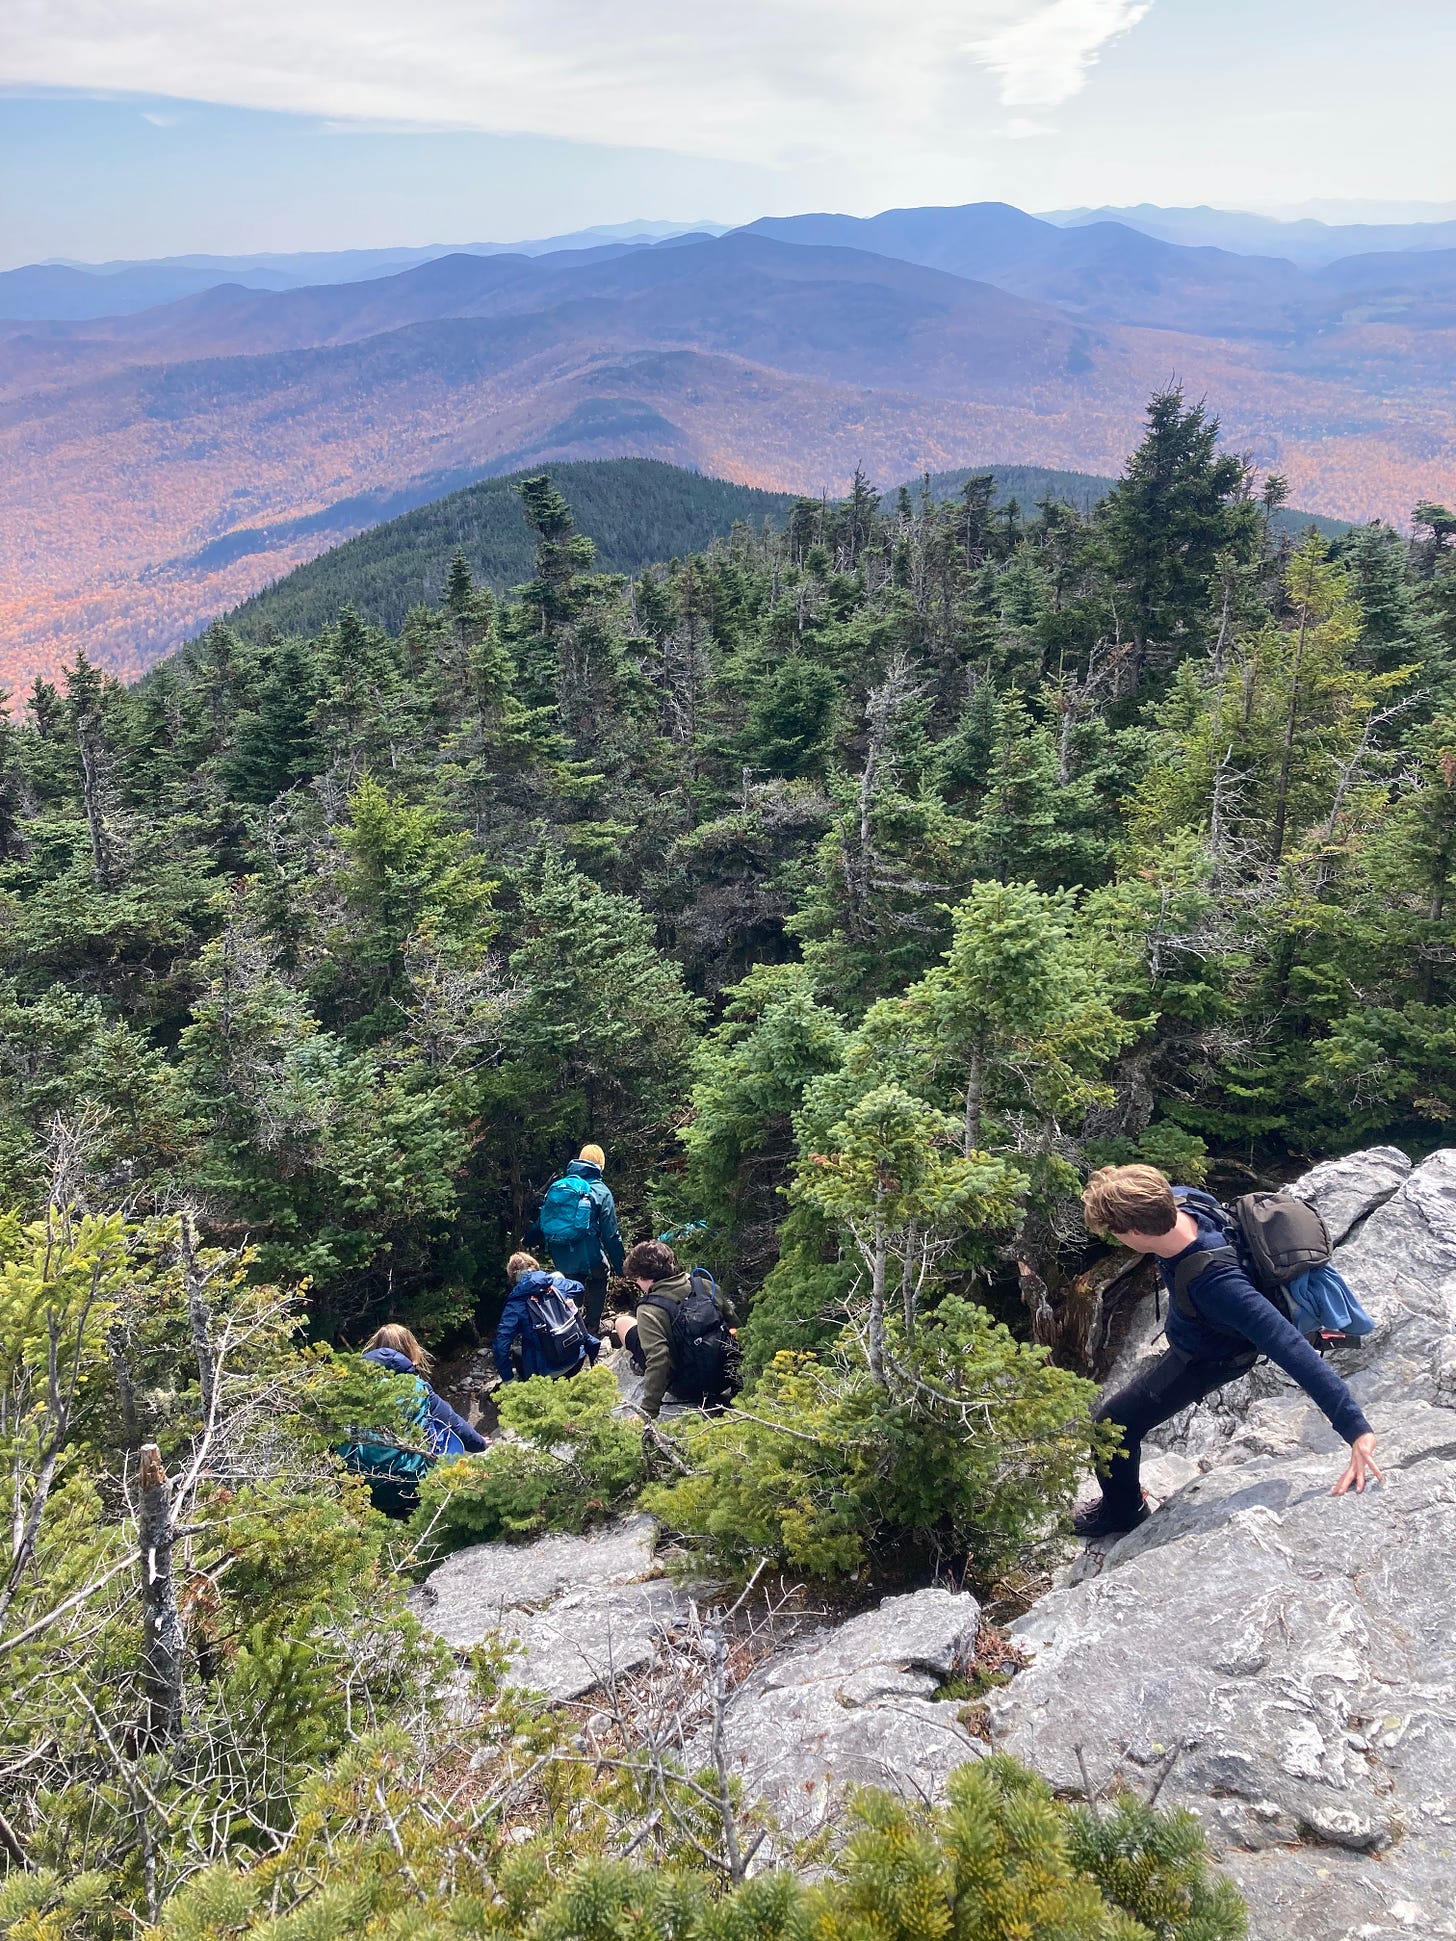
x=932 y=1631
x=1297 y=1650
x=1402 y=1262
x=465 y=1598
x=854 y=1706
x=1284 y=1639
x=1347 y=1191
x=799 y=1749
x=1319 y=1892
x=585 y=1639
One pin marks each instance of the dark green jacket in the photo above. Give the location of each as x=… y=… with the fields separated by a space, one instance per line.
x=654 y=1335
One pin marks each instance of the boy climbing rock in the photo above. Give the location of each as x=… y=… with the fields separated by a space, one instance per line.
x=1227 y=1325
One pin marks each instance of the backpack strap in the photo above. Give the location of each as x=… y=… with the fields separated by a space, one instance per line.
x=1190 y=1268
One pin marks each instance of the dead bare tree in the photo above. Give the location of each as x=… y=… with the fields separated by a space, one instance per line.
x=194 y=1281
x=1347 y=773
x=162 y=1639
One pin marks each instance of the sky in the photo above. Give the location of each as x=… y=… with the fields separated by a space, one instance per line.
x=135 y=128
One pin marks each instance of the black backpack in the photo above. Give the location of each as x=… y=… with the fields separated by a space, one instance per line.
x=559 y=1330
x=704 y=1353
x=1273 y=1237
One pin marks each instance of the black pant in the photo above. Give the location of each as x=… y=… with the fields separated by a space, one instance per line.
x=596 y=1299
x=1155 y=1396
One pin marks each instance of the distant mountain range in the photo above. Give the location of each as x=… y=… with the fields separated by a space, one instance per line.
x=77 y=291
x=1301 y=240
x=72 y=290
x=158 y=467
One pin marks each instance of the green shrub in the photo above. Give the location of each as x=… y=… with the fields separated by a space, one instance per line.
x=1001 y=1860
x=1153 y=1865
x=569 y=1461
x=972 y=1449
x=803 y=1301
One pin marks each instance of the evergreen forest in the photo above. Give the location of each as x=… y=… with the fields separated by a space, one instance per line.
x=858 y=882
x=637 y=510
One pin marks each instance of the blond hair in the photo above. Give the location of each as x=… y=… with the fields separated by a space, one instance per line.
x=593 y=1155
x=393 y=1335
x=1129 y=1199
x=519 y=1264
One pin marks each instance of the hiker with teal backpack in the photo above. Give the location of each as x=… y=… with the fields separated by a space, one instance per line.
x=576 y=1223
x=679 y=1337
x=1242 y=1281
x=394 y=1464
x=542 y=1316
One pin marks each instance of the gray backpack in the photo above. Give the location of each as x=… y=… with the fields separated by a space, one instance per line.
x=1274 y=1237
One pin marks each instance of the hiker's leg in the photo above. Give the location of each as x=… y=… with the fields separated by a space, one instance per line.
x=626 y=1326
x=595 y=1286
x=1156 y=1395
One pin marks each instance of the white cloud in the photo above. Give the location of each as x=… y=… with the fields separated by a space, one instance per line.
x=761 y=80
x=1041 y=58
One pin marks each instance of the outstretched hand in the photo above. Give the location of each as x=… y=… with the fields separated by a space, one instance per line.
x=1360 y=1467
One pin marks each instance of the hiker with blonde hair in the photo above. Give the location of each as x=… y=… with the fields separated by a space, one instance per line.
x=395 y=1457
x=576 y=1224
x=395 y=1348
x=542 y=1316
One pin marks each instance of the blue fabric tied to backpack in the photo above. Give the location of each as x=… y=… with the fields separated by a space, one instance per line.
x=1324 y=1303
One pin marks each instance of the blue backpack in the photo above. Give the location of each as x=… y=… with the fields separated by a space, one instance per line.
x=1324 y=1303
x=568 y=1215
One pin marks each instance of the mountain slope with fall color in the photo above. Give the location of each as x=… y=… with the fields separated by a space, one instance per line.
x=138 y=455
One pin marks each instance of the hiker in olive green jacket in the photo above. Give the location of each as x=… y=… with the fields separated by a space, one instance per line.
x=653 y=1269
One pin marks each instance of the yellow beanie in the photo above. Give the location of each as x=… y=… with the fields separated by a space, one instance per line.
x=593 y=1156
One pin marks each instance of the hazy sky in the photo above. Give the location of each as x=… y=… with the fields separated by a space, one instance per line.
x=151 y=127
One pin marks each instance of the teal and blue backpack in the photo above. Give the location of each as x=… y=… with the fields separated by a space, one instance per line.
x=393 y=1467
x=568 y=1215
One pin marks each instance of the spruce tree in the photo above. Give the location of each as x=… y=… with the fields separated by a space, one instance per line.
x=276 y=745
x=1176 y=507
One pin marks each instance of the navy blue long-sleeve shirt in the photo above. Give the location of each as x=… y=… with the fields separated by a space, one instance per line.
x=440 y=1409
x=516 y=1325
x=1229 y=1305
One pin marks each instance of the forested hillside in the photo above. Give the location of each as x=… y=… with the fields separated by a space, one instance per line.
x=857 y=886
x=637 y=510
x=351 y=935
x=157 y=469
